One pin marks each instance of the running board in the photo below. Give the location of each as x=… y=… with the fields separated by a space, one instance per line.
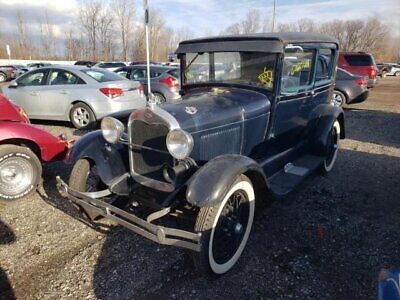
x=285 y=180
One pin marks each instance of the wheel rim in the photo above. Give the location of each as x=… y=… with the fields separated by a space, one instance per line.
x=337 y=99
x=81 y=116
x=2 y=78
x=159 y=99
x=16 y=176
x=231 y=228
x=332 y=147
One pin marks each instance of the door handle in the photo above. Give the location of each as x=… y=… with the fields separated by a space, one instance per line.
x=33 y=93
x=63 y=92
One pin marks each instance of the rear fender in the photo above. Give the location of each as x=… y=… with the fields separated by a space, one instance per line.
x=209 y=185
x=111 y=160
x=327 y=115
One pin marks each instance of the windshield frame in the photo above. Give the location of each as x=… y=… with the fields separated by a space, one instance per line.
x=185 y=85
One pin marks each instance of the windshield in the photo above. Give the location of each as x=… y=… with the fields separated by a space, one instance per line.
x=245 y=68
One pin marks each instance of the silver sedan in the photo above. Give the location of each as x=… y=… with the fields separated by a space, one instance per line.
x=78 y=94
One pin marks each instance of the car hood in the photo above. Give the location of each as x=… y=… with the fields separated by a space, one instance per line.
x=206 y=108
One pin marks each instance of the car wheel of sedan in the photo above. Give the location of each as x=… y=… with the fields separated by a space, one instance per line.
x=332 y=148
x=3 y=77
x=85 y=178
x=338 y=98
x=225 y=228
x=159 y=98
x=397 y=74
x=20 y=172
x=81 y=116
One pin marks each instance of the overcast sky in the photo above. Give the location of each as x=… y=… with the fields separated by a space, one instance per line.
x=206 y=16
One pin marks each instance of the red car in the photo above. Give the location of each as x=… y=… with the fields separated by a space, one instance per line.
x=23 y=148
x=359 y=63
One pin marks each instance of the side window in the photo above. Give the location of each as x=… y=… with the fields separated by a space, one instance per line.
x=324 y=68
x=123 y=72
x=137 y=74
x=296 y=72
x=33 y=78
x=62 y=77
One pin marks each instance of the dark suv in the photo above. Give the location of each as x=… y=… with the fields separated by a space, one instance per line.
x=255 y=119
x=359 y=63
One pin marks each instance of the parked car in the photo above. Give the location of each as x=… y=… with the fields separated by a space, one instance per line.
x=23 y=148
x=86 y=63
x=359 y=63
x=143 y=62
x=110 y=66
x=33 y=66
x=349 y=88
x=164 y=80
x=229 y=143
x=7 y=73
x=395 y=70
x=383 y=69
x=78 y=94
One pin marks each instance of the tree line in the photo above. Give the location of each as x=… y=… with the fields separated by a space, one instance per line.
x=109 y=31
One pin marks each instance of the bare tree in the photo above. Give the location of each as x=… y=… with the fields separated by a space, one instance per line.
x=104 y=30
x=48 y=37
x=125 y=15
x=89 y=14
x=250 y=24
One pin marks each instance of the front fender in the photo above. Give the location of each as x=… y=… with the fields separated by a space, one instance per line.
x=327 y=115
x=210 y=183
x=112 y=160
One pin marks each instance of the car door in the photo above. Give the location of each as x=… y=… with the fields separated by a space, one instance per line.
x=290 y=119
x=56 y=94
x=124 y=72
x=28 y=92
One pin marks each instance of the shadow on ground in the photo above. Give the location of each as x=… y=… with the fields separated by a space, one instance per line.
x=6 y=237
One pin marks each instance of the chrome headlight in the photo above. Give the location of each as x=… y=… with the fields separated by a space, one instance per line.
x=112 y=129
x=179 y=143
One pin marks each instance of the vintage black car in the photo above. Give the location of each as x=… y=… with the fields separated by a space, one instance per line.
x=254 y=120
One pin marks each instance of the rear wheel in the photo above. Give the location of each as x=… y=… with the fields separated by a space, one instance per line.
x=225 y=228
x=332 y=148
x=85 y=178
x=3 y=77
x=81 y=116
x=338 y=98
x=159 y=98
x=397 y=73
x=20 y=172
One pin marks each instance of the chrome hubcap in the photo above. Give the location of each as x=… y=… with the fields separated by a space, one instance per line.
x=81 y=116
x=16 y=176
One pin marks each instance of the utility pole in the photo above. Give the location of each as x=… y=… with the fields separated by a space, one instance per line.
x=150 y=101
x=273 y=16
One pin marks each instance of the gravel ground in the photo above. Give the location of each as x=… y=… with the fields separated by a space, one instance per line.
x=327 y=240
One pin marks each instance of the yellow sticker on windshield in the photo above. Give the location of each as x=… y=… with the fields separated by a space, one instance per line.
x=305 y=64
x=189 y=75
x=266 y=78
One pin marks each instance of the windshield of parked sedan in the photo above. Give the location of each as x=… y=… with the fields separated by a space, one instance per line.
x=102 y=76
x=245 y=68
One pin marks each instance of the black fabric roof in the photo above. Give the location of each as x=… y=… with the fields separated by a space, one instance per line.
x=253 y=42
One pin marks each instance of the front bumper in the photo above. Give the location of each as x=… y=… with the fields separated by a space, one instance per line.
x=156 y=233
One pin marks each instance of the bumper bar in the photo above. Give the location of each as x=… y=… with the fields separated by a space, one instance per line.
x=156 y=233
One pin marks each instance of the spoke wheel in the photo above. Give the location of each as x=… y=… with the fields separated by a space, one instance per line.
x=82 y=116
x=338 y=99
x=20 y=172
x=225 y=228
x=158 y=98
x=332 y=147
x=2 y=77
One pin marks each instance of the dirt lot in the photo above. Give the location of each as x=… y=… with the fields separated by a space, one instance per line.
x=327 y=240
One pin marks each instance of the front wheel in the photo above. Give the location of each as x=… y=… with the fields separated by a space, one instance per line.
x=225 y=228
x=397 y=74
x=85 y=178
x=332 y=148
x=20 y=172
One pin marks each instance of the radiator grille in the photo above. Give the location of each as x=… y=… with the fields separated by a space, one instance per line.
x=226 y=141
x=148 y=162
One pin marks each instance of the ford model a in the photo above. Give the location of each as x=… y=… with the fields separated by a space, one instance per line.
x=255 y=118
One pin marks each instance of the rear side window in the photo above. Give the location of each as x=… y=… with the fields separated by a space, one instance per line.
x=359 y=60
x=102 y=76
x=296 y=73
x=174 y=73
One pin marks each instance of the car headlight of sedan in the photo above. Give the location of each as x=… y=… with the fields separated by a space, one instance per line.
x=112 y=129
x=179 y=143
